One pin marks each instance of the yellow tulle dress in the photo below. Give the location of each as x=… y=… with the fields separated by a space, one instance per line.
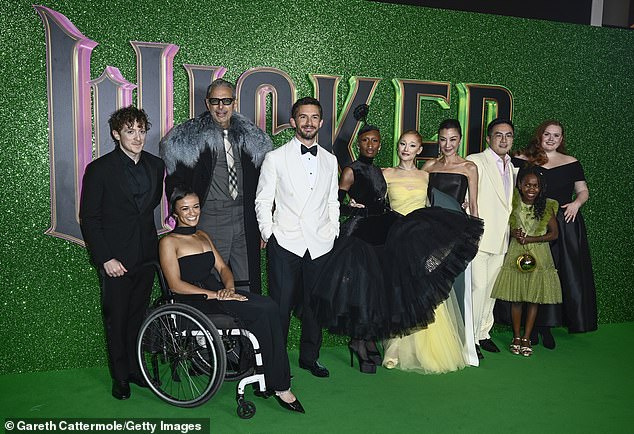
x=438 y=348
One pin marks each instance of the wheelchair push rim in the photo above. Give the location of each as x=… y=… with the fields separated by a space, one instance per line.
x=181 y=355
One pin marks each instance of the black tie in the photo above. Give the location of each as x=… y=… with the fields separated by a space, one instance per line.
x=312 y=150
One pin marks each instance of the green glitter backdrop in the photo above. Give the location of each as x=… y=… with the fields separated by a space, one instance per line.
x=581 y=75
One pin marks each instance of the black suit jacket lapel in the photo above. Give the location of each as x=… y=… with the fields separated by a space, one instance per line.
x=119 y=172
x=151 y=172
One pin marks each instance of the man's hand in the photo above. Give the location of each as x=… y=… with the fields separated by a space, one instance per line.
x=114 y=268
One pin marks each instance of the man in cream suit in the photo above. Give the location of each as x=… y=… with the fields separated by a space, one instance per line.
x=495 y=192
x=298 y=215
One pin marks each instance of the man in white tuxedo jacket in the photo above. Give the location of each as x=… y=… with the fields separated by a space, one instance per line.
x=298 y=216
x=495 y=192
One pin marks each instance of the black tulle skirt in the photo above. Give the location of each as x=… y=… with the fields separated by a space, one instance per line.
x=349 y=297
x=387 y=274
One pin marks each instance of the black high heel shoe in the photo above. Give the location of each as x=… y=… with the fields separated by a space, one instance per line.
x=535 y=337
x=357 y=348
x=291 y=406
x=373 y=353
x=548 y=340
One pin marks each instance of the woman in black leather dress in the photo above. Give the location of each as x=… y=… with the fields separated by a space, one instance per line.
x=452 y=175
x=188 y=256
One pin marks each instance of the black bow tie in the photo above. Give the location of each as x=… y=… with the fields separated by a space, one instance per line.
x=312 y=150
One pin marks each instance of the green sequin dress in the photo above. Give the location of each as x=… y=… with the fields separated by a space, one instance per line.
x=542 y=284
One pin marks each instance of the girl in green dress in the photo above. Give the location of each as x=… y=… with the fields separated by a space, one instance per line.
x=528 y=274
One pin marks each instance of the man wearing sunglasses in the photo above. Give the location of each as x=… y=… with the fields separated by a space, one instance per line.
x=218 y=154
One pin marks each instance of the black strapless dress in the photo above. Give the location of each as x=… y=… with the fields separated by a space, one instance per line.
x=452 y=184
x=259 y=315
x=571 y=254
x=387 y=272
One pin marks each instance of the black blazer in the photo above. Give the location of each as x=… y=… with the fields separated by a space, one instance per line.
x=112 y=224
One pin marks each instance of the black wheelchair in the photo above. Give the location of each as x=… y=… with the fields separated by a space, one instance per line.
x=186 y=355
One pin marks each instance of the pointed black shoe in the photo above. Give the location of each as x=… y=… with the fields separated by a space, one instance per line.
x=120 y=389
x=293 y=406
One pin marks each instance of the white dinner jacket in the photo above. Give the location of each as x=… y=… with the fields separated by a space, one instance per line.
x=286 y=206
x=494 y=205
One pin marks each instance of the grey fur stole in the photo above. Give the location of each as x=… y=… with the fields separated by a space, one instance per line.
x=185 y=142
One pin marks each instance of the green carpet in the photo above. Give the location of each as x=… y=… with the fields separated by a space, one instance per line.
x=585 y=385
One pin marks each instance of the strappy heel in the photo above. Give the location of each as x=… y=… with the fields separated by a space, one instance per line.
x=373 y=353
x=526 y=350
x=357 y=347
x=515 y=345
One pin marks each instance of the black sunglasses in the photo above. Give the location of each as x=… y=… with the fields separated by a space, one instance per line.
x=224 y=101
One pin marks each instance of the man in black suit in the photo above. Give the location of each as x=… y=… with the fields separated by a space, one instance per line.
x=120 y=191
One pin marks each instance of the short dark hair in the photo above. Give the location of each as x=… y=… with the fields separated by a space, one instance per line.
x=179 y=192
x=499 y=121
x=367 y=128
x=127 y=116
x=450 y=123
x=307 y=100
x=221 y=82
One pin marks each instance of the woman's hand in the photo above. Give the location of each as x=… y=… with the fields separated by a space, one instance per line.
x=581 y=196
x=354 y=204
x=570 y=211
x=230 y=294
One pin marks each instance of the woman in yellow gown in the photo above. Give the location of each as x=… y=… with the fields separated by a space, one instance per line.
x=438 y=347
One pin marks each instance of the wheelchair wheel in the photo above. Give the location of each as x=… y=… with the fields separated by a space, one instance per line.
x=181 y=355
x=245 y=409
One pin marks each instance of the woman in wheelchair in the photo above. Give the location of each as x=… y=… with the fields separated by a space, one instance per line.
x=187 y=257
